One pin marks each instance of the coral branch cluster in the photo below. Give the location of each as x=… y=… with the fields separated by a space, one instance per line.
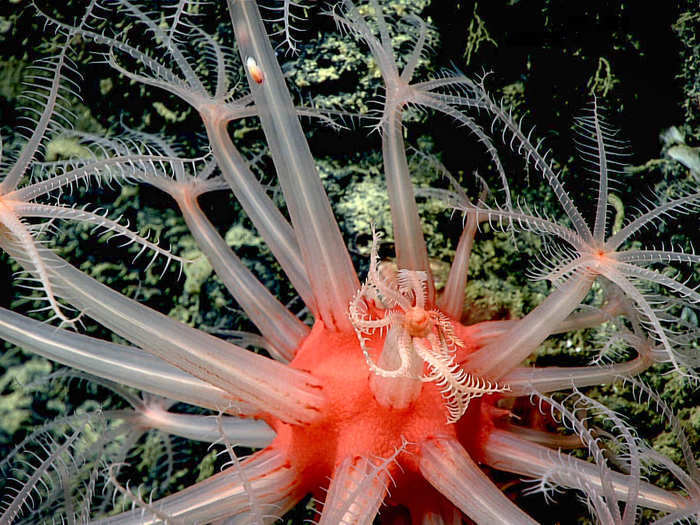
x=373 y=398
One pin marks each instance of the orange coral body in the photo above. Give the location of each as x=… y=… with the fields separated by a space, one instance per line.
x=354 y=424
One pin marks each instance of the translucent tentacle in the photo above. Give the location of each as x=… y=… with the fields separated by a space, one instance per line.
x=98 y=221
x=448 y=467
x=21 y=238
x=411 y=253
x=506 y=451
x=119 y=363
x=48 y=103
x=277 y=324
x=34 y=484
x=523 y=381
x=267 y=219
x=355 y=493
x=333 y=278
x=541 y=163
x=289 y=394
x=452 y=300
x=223 y=495
x=680 y=205
x=241 y=432
x=504 y=353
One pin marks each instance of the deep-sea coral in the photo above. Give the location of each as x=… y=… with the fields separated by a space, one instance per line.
x=385 y=402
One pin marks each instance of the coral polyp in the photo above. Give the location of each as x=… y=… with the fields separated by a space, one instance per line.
x=365 y=399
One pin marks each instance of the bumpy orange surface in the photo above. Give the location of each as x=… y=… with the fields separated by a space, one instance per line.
x=354 y=424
